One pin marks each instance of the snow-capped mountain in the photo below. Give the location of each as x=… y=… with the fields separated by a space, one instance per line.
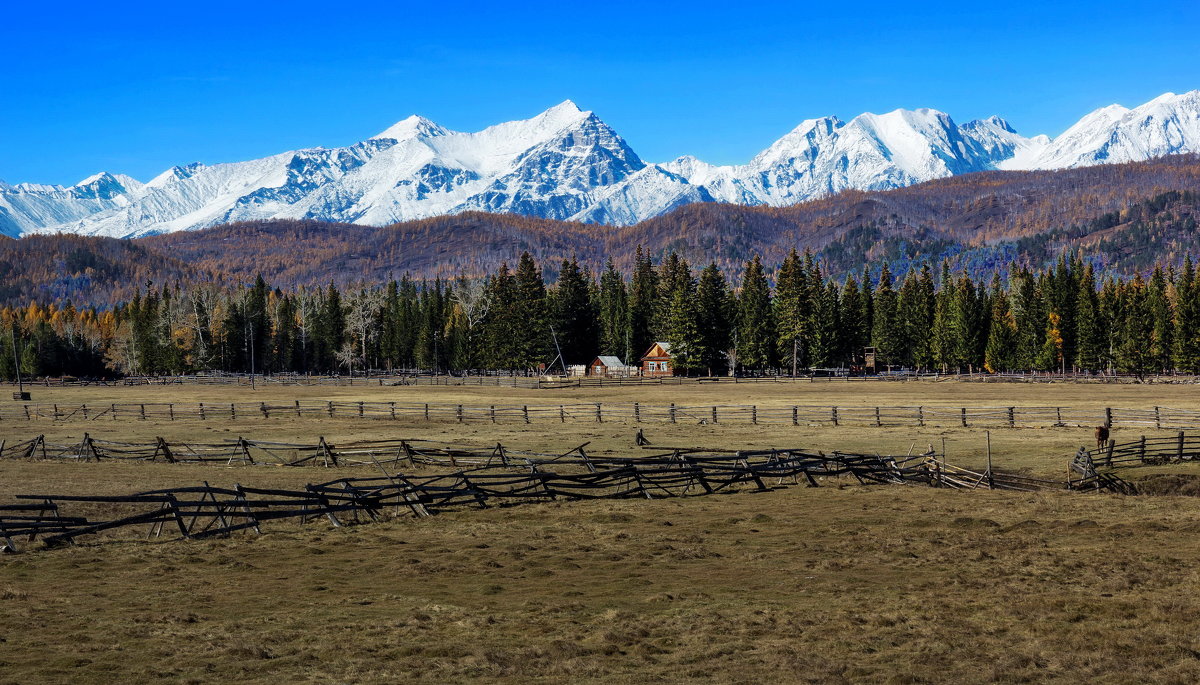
x=566 y=163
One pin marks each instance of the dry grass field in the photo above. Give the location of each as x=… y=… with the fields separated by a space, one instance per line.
x=842 y=583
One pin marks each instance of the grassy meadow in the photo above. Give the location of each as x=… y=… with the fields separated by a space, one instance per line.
x=841 y=583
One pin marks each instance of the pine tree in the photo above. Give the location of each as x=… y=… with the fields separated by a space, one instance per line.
x=854 y=333
x=756 y=327
x=715 y=312
x=887 y=331
x=533 y=326
x=643 y=294
x=682 y=332
x=1159 y=304
x=793 y=310
x=1186 y=336
x=1000 y=353
x=614 y=313
x=1089 y=325
x=575 y=321
x=1134 y=355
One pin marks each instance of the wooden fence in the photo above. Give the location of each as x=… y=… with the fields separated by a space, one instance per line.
x=534 y=381
x=597 y=412
x=1153 y=450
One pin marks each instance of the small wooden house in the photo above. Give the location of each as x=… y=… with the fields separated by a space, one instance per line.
x=657 y=361
x=607 y=365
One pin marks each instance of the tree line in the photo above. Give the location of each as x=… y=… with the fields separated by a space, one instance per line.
x=787 y=318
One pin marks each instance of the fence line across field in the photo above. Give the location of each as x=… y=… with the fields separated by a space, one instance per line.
x=536 y=381
x=599 y=412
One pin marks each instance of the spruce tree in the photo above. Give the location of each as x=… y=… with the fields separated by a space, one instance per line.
x=887 y=331
x=643 y=296
x=715 y=312
x=756 y=326
x=614 y=313
x=1089 y=325
x=575 y=321
x=1186 y=336
x=793 y=305
x=533 y=326
x=1000 y=352
x=682 y=332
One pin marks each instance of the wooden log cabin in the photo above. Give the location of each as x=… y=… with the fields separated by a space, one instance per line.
x=657 y=361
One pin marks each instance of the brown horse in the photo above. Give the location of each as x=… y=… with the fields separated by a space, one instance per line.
x=1101 y=436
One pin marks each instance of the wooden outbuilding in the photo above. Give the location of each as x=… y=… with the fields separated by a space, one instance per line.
x=607 y=365
x=657 y=360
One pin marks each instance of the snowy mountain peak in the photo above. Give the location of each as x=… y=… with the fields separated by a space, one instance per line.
x=566 y=163
x=412 y=127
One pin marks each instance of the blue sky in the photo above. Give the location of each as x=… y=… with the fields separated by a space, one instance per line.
x=138 y=87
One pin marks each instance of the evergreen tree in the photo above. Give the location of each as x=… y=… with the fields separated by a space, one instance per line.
x=534 y=340
x=1186 y=336
x=575 y=321
x=643 y=294
x=793 y=310
x=614 y=313
x=887 y=331
x=1134 y=355
x=756 y=327
x=1000 y=353
x=1089 y=325
x=682 y=332
x=1159 y=304
x=715 y=312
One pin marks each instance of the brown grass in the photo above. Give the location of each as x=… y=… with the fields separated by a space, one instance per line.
x=834 y=584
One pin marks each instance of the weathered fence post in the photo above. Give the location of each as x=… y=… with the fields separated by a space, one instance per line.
x=262 y=406
x=562 y=414
x=964 y=417
x=297 y=408
x=795 y=415
x=525 y=413
x=921 y=416
x=1142 y=449
x=1179 y=448
x=426 y=411
x=1108 y=417
x=1108 y=456
x=202 y=416
x=360 y=410
x=1012 y=419
x=637 y=413
x=1058 y=416
x=714 y=413
x=392 y=409
x=458 y=412
x=492 y=413
x=329 y=408
x=1157 y=417
x=142 y=411
x=671 y=413
x=599 y=413
x=833 y=415
x=232 y=411
x=877 y=421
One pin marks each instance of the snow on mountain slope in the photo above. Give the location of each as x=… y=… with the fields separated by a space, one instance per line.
x=26 y=207
x=1168 y=124
x=566 y=163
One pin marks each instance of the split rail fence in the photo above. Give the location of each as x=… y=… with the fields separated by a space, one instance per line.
x=597 y=412
x=481 y=477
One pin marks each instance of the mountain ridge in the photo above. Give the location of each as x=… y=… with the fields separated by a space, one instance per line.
x=567 y=164
x=1121 y=217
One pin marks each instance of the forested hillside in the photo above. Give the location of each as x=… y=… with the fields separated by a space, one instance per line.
x=1059 y=318
x=1120 y=218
